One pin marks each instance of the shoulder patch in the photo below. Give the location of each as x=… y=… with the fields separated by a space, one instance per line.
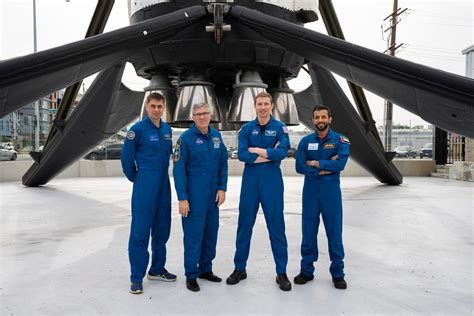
x=177 y=149
x=131 y=135
x=285 y=129
x=346 y=140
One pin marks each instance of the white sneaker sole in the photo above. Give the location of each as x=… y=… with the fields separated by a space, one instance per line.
x=159 y=278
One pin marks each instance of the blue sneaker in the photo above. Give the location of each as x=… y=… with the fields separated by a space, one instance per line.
x=136 y=288
x=166 y=277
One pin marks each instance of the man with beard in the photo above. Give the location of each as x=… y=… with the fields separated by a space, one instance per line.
x=321 y=157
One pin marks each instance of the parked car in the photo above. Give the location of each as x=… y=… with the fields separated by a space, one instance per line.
x=291 y=152
x=427 y=150
x=229 y=152
x=7 y=145
x=234 y=154
x=405 y=152
x=113 y=151
x=7 y=153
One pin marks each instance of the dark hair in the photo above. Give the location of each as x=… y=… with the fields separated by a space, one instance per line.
x=321 y=108
x=264 y=94
x=155 y=96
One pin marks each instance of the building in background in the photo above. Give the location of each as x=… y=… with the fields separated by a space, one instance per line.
x=19 y=127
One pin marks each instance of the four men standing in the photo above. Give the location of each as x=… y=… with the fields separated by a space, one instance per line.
x=200 y=175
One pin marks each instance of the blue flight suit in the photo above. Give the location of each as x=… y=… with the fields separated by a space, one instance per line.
x=262 y=183
x=145 y=161
x=322 y=195
x=200 y=170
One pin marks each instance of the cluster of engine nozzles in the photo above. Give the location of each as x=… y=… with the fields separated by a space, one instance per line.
x=197 y=88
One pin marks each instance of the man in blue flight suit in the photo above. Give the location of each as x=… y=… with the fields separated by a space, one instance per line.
x=200 y=178
x=263 y=143
x=145 y=161
x=321 y=157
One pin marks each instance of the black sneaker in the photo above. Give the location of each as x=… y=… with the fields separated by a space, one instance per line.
x=136 y=288
x=210 y=276
x=192 y=285
x=236 y=276
x=339 y=283
x=283 y=282
x=303 y=278
x=166 y=277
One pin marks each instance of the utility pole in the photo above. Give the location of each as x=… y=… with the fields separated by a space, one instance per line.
x=391 y=49
x=37 y=113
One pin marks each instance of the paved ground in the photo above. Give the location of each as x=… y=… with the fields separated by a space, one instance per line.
x=409 y=249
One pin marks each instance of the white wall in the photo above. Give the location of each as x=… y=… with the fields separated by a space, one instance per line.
x=14 y=170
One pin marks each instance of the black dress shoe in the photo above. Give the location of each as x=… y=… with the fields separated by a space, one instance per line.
x=210 y=277
x=236 y=276
x=303 y=278
x=339 y=283
x=192 y=285
x=282 y=280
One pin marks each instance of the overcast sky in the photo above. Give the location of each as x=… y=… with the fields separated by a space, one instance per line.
x=435 y=33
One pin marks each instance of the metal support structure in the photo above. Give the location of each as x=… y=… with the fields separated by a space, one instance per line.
x=334 y=29
x=218 y=10
x=440 y=146
x=96 y=26
x=392 y=47
x=36 y=103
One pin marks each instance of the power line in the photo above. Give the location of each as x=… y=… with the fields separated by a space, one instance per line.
x=434 y=48
x=424 y=51
x=442 y=16
x=433 y=57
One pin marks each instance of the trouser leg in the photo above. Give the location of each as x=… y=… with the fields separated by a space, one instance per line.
x=209 y=241
x=332 y=218
x=272 y=204
x=248 y=208
x=310 y=225
x=193 y=228
x=143 y=211
x=160 y=230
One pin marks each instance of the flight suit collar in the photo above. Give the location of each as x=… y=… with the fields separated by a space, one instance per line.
x=149 y=122
x=255 y=121
x=195 y=130
x=330 y=135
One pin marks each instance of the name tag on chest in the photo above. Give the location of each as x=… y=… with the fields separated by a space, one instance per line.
x=154 y=138
x=313 y=146
x=217 y=142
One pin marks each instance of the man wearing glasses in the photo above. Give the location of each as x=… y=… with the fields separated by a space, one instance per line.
x=200 y=178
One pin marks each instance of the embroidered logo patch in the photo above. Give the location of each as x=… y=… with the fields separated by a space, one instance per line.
x=313 y=146
x=199 y=141
x=344 y=139
x=176 y=152
x=167 y=137
x=255 y=132
x=270 y=133
x=285 y=129
x=131 y=135
x=154 y=138
x=217 y=142
x=329 y=146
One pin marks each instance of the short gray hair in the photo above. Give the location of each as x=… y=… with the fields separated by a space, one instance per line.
x=200 y=105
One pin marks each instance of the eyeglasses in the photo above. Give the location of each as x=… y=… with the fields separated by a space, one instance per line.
x=201 y=114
